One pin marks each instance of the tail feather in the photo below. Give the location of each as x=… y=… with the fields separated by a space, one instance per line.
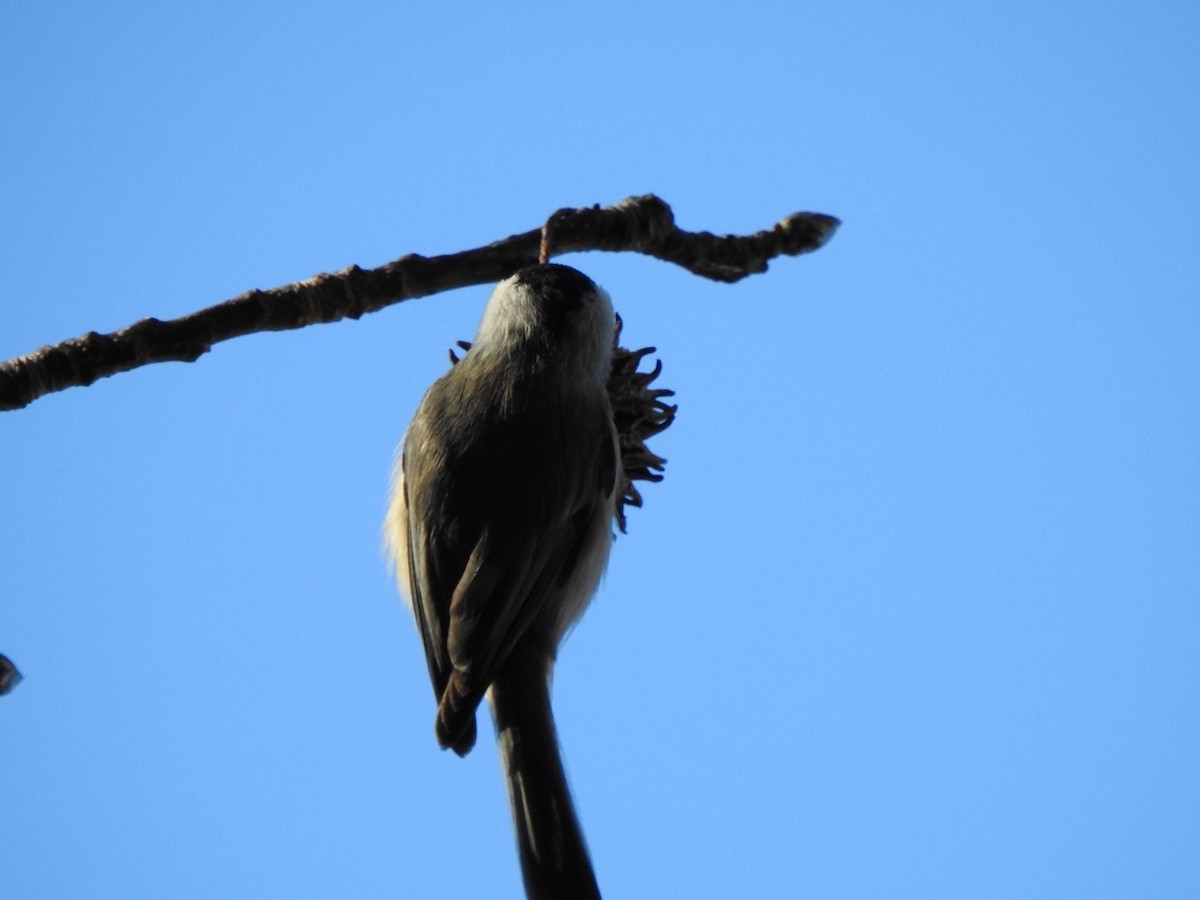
x=554 y=857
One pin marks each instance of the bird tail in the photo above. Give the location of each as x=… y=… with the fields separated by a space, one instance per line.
x=554 y=857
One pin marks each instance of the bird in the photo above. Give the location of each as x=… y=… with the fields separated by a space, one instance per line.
x=499 y=529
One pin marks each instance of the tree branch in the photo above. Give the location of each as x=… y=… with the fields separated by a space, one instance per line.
x=641 y=224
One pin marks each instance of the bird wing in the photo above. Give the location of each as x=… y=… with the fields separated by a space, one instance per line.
x=518 y=577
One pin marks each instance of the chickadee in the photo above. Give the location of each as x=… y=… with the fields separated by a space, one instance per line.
x=499 y=529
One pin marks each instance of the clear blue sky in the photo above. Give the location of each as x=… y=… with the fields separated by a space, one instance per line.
x=916 y=612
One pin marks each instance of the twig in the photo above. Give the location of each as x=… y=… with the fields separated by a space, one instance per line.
x=9 y=676
x=641 y=224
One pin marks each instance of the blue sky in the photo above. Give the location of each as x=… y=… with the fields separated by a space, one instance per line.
x=916 y=612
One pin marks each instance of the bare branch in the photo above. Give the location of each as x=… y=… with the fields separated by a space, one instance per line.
x=640 y=224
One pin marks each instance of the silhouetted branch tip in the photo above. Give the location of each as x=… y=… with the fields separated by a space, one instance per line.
x=9 y=676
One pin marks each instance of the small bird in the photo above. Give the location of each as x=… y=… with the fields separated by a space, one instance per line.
x=499 y=528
